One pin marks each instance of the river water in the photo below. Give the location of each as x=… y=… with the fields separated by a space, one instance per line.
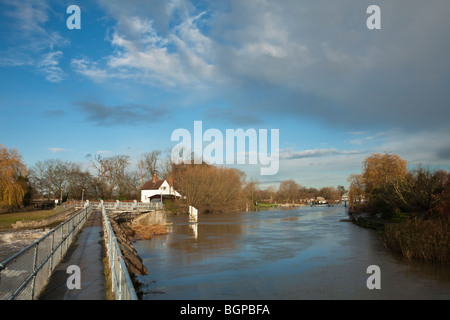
x=297 y=253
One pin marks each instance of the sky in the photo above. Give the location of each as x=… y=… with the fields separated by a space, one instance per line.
x=138 y=70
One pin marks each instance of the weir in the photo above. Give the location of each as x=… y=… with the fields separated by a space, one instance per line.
x=26 y=273
x=40 y=271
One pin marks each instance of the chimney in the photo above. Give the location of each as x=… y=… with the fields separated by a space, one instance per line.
x=170 y=181
x=155 y=178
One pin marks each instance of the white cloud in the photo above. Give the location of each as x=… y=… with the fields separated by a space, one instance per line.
x=288 y=154
x=377 y=136
x=319 y=168
x=30 y=15
x=33 y=43
x=181 y=56
x=424 y=146
x=88 y=68
x=302 y=58
x=58 y=150
x=15 y=58
x=49 y=65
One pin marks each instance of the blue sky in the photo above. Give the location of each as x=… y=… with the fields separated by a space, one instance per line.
x=138 y=70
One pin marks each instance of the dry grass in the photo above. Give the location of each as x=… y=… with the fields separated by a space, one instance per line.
x=108 y=280
x=146 y=232
x=427 y=240
x=7 y=219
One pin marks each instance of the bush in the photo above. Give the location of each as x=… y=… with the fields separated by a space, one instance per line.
x=146 y=232
x=170 y=206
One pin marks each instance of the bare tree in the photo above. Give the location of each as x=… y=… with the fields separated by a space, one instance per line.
x=330 y=193
x=111 y=176
x=80 y=182
x=57 y=175
x=147 y=165
x=288 y=190
x=251 y=190
x=38 y=177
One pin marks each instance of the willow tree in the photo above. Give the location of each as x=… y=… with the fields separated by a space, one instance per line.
x=378 y=170
x=12 y=182
x=208 y=188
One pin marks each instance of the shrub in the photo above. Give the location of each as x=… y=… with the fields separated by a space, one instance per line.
x=146 y=232
x=427 y=240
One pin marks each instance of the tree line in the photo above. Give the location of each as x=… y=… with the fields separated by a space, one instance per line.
x=209 y=188
x=107 y=177
x=414 y=205
x=289 y=191
x=387 y=186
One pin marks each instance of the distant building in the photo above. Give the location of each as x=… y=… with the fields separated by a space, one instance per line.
x=345 y=197
x=158 y=190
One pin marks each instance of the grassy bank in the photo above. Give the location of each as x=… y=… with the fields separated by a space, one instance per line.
x=7 y=219
x=427 y=240
x=145 y=232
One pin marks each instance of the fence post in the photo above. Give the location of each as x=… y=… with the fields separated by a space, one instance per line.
x=120 y=279
x=34 y=269
x=62 y=243
x=52 y=253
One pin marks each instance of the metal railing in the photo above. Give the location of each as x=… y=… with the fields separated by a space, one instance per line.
x=122 y=286
x=26 y=273
x=120 y=205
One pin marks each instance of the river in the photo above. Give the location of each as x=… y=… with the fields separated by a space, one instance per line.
x=296 y=253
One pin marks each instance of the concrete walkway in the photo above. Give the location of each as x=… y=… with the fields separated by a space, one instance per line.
x=87 y=252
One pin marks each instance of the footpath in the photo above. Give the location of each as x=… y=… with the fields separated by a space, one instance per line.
x=87 y=252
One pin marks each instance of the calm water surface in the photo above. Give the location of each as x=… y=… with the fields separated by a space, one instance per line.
x=298 y=253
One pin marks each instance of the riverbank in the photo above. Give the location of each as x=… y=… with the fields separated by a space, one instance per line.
x=413 y=238
x=20 y=229
x=8 y=220
x=12 y=241
x=427 y=240
x=369 y=222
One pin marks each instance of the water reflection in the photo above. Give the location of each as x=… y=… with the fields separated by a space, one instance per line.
x=299 y=253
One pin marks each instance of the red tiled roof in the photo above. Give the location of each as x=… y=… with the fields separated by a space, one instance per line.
x=150 y=185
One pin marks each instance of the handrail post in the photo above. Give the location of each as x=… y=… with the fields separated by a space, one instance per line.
x=52 y=253
x=34 y=269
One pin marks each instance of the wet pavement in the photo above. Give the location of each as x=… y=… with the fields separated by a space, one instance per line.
x=87 y=252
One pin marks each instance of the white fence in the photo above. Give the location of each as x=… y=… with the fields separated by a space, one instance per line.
x=122 y=285
x=119 y=205
x=193 y=214
x=26 y=273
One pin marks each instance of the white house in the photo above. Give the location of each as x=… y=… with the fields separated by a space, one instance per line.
x=345 y=197
x=157 y=190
